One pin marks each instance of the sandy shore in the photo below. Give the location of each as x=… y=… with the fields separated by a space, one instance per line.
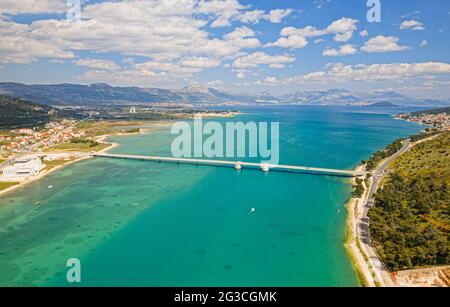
x=40 y=176
x=353 y=245
x=44 y=173
x=101 y=139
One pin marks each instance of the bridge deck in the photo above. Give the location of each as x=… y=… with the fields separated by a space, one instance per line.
x=292 y=168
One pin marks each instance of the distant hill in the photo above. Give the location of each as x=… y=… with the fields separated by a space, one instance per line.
x=383 y=104
x=432 y=111
x=19 y=113
x=104 y=94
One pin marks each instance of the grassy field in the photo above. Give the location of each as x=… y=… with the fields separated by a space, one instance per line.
x=432 y=157
x=99 y=128
x=6 y=185
x=85 y=147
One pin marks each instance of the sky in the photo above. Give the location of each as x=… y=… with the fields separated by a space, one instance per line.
x=251 y=46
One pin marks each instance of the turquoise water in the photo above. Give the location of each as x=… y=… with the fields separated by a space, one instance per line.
x=142 y=223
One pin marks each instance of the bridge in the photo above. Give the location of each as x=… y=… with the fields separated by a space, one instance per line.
x=237 y=165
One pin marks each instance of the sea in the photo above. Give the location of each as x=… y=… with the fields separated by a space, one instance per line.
x=141 y=223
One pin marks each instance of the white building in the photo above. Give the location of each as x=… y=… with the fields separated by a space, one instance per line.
x=24 y=168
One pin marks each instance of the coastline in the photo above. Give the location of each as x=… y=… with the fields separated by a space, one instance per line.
x=44 y=173
x=101 y=139
x=370 y=269
x=358 y=258
x=41 y=175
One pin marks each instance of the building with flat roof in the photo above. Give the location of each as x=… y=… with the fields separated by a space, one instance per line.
x=24 y=168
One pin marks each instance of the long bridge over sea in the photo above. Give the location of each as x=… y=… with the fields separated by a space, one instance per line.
x=237 y=165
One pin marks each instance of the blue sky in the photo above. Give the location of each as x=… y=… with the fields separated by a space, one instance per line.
x=240 y=45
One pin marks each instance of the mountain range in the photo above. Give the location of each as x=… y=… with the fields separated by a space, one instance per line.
x=104 y=94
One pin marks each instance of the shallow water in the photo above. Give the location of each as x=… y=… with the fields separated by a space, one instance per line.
x=144 y=223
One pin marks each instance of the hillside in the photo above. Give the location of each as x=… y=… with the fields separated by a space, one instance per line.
x=432 y=111
x=410 y=223
x=18 y=113
x=104 y=94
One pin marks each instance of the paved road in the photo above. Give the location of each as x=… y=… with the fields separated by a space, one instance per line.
x=377 y=175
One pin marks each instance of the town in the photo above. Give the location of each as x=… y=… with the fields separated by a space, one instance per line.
x=25 y=140
x=438 y=119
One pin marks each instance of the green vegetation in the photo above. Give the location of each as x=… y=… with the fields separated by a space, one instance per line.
x=19 y=113
x=427 y=133
x=6 y=185
x=98 y=128
x=358 y=188
x=394 y=147
x=133 y=130
x=78 y=144
x=90 y=143
x=410 y=223
x=432 y=112
x=383 y=154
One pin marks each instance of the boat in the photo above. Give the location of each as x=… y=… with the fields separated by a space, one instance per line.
x=37 y=203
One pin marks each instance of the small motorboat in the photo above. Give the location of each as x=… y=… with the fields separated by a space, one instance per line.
x=252 y=210
x=50 y=186
x=37 y=203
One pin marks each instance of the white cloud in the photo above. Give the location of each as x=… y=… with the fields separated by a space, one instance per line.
x=320 y=3
x=241 y=73
x=343 y=28
x=424 y=43
x=383 y=44
x=252 y=16
x=273 y=16
x=20 y=49
x=277 y=65
x=412 y=25
x=277 y=15
x=342 y=51
x=410 y=14
x=261 y=58
x=291 y=37
x=133 y=28
x=225 y=11
x=14 y=7
x=98 y=64
x=364 y=33
x=215 y=83
x=222 y=10
x=201 y=62
x=269 y=81
x=375 y=72
x=292 y=41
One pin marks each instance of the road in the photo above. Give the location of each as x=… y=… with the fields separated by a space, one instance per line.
x=378 y=174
